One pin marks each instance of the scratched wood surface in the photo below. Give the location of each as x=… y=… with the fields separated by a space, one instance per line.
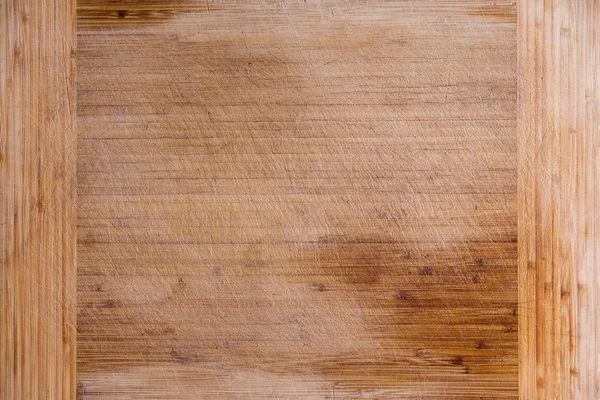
x=297 y=200
x=559 y=159
x=37 y=209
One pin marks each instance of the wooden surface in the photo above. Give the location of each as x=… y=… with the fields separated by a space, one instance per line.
x=559 y=157
x=297 y=200
x=38 y=221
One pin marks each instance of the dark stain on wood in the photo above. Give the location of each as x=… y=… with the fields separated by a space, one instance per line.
x=110 y=303
x=136 y=12
x=458 y=360
x=481 y=345
x=369 y=269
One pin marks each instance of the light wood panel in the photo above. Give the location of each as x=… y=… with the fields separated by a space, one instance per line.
x=298 y=200
x=37 y=161
x=559 y=97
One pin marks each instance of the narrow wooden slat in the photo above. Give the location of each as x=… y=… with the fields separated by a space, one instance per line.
x=559 y=246
x=38 y=233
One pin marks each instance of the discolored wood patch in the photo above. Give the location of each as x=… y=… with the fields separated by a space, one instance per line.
x=106 y=13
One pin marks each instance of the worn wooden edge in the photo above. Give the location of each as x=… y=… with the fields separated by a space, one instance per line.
x=37 y=157
x=559 y=202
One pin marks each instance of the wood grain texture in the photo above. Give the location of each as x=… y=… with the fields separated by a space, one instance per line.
x=559 y=157
x=38 y=233
x=297 y=200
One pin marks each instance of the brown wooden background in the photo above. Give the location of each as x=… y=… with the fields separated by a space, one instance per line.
x=363 y=263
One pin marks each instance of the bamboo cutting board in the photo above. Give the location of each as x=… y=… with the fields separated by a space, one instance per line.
x=300 y=199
